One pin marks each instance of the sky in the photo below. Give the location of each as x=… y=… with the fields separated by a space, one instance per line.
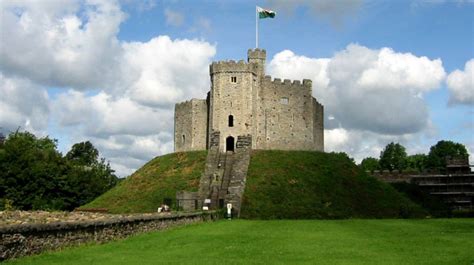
x=110 y=72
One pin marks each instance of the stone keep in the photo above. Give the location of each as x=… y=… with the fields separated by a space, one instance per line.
x=244 y=102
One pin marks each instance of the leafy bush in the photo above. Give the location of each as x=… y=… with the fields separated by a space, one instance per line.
x=35 y=176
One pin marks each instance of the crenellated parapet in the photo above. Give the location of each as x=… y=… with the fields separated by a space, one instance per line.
x=306 y=84
x=257 y=53
x=232 y=67
x=190 y=120
x=189 y=103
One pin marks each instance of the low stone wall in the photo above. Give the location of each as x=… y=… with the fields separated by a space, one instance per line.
x=27 y=239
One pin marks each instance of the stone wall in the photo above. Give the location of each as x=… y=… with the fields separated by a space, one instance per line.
x=187 y=200
x=288 y=117
x=28 y=239
x=318 y=125
x=231 y=97
x=190 y=126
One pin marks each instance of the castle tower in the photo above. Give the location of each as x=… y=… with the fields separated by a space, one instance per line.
x=257 y=57
x=233 y=88
x=243 y=101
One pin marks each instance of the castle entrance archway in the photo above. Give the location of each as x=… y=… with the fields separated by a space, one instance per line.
x=229 y=144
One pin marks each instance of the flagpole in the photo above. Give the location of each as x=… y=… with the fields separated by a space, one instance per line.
x=256 y=27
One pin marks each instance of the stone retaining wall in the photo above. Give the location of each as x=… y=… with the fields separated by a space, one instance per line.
x=28 y=239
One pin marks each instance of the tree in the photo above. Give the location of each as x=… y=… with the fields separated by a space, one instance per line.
x=370 y=164
x=417 y=162
x=29 y=171
x=393 y=157
x=83 y=153
x=89 y=175
x=443 y=149
x=34 y=175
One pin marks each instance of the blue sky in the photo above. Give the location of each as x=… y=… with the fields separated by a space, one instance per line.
x=110 y=72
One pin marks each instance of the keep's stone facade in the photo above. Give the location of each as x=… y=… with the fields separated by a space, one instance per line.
x=244 y=102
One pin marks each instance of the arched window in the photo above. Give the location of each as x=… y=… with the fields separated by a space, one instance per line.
x=184 y=139
x=231 y=121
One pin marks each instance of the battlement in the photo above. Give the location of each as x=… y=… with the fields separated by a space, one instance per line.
x=231 y=66
x=188 y=103
x=256 y=54
x=287 y=82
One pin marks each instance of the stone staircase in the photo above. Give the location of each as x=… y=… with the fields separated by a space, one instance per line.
x=225 y=174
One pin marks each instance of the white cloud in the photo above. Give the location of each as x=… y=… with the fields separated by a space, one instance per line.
x=372 y=96
x=22 y=104
x=461 y=85
x=374 y=90
x=361 y=144
x=134 y=121
x=162 y=72
x=103 y=115
x=127 y=152
x=129 y=113
x=174 y=18
x=60 y=43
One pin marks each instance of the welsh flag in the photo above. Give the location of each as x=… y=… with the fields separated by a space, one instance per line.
x=264 y=13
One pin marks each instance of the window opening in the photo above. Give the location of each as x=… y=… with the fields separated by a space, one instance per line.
x=233 y=79
x=284 y=101
x=231 y=121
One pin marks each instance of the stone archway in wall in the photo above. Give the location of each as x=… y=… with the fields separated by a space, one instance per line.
x=230 y=143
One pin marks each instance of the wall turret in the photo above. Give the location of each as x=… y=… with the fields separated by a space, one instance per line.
x=258 y=56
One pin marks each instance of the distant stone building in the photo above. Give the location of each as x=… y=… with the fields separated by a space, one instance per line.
x=244 y=102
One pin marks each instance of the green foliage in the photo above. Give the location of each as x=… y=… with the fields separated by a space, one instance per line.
x=160 y=178
x=443 y=149
x=369 y=164
x=35 y=176
x=303 y=184
x=342 y=242
x=83 y=153
x=393 y=157
x=89 y=176
x=7 y=205
x=416 y=162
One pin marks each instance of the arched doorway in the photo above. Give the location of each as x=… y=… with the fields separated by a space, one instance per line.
x=229 y=144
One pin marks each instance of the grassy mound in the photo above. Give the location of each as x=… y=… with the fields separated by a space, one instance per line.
x=160 y=178
x=302 y=184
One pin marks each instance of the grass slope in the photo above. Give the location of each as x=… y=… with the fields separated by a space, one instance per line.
x=160 y=178
x=302 y=184
x=409 y=242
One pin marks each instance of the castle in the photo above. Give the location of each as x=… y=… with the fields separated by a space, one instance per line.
x=243 y=101
x=244 y=110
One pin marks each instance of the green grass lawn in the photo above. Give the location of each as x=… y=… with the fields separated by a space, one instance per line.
x=435 y=241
